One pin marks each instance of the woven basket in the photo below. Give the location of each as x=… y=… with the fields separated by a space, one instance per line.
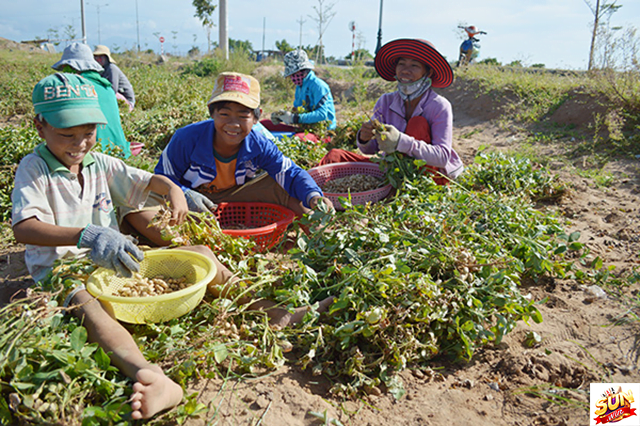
x=323 y=174
x=266 y=223
x=197 y=268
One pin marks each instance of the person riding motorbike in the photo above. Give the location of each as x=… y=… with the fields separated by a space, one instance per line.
x=470 y=48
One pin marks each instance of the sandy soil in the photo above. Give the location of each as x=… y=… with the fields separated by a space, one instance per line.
x=583 y=341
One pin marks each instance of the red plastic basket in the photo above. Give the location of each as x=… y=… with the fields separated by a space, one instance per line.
x=323 y=174
x=266 y=222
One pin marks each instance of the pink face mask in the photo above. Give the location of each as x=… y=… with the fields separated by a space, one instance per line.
x=297 y=77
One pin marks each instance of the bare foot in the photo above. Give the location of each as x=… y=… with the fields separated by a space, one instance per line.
x=280 y=318
x=153 y=392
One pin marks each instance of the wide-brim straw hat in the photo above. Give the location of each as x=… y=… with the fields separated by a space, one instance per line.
x=104 y=50
x=418 y=49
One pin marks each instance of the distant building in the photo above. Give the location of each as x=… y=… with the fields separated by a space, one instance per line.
x=263 y=55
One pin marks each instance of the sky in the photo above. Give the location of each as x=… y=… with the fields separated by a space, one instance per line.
x=556 y=33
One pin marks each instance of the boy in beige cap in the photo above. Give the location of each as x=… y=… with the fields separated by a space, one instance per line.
x=217 y=160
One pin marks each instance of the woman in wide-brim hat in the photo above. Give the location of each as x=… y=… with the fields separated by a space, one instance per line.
x=416 y=120
x=121 y=84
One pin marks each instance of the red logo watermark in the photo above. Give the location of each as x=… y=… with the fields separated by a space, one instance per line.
x=614 y=405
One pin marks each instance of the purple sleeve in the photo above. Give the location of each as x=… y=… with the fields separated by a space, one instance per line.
x=437 y=154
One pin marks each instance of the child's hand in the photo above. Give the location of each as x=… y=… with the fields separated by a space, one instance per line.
x=314 y=202
x=199 y=203
x=178 y=204
x=111 y=249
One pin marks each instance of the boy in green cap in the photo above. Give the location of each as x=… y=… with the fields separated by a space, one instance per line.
x=64 y=203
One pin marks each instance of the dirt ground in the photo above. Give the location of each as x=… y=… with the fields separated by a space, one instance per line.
x=582 y=340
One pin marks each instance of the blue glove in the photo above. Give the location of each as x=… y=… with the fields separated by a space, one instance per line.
x=111 y=249
x=199 y=203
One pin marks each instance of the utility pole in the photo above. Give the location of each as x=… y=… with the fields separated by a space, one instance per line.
x=84 y=28
x=379 y=45
x=264 y=29
x=301 y=21
x=98 y=10
x=137 y=26
x=222 y=34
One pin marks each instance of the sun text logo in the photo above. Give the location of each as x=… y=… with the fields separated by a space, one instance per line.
x=614 y=406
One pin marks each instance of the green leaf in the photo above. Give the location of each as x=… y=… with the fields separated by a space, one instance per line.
x=220 y=352
x=536 y=316
x=78 y=338
x=597 y=263
x=560 y=249
x=5 y=413
x=102 y=359
x=396 y=387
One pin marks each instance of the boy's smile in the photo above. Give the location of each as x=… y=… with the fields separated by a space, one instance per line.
x=233 y=122
x=69 y=145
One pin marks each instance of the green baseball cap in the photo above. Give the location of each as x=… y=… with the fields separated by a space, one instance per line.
x=67 y=100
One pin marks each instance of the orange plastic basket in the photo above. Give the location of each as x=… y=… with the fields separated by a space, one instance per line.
x=323 y=174
x=266 y=223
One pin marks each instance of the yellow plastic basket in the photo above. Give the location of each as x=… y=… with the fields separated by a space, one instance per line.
x=173 y=263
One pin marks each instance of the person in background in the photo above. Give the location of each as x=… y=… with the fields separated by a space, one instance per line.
x=119 y=81
x=414 y=119
x=312 y=95
x=77 y=58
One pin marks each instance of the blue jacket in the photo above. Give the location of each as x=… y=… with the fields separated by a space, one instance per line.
x=315 y=96
x=189 y=162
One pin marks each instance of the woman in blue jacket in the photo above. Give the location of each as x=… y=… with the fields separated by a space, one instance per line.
x=312 y=94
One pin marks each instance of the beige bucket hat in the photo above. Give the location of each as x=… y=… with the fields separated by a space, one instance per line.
x=103 y=50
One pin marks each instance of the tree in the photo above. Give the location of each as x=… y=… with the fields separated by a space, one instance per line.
x=324 y=15
x=53 y=34
x=70 y=32
x=360 y=55
x=204 y=10
x=175 y=42
x=238 y=46
x=284 y=46
x=601 y=9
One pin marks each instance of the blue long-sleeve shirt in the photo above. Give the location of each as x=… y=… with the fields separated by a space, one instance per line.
x=189 y=162
x=315 y=96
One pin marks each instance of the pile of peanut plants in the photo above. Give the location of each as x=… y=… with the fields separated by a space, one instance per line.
x=434 y=272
